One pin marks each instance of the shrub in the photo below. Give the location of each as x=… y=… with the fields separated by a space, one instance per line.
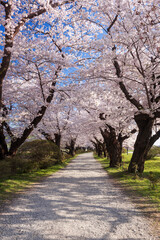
x=5 y=168
x=153 y=152
x=34 y=155
x=65 y=155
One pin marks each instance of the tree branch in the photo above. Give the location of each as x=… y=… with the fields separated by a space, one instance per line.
x=7 y=127
x=40 y=82
x=154 y=138
x=3 y=3
x=6 y=52
x=46 y=135
x=123 y=87
x=157 y=99
x=98 y=141
x=157 y=113
x=100 y=25
x=129 y=97
x=38 y=13
x=122 y=138
x=112 y=23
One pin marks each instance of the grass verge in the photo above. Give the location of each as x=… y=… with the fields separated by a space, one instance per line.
x=18 y=182
x=146 y=186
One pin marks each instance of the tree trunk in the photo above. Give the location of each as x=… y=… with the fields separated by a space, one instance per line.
x=104 y=153
x=141 y=146
x=7 y=50
x=113 y=146
x=115 y=153
x=71 y=147
x=99 y=151
x=104 y=149
x=98 y=147
x=3 y=145
x=58 y=139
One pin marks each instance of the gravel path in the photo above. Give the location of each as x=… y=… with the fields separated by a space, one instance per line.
x=77 y=203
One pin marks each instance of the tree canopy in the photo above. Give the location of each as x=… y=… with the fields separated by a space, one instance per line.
x=82 y=72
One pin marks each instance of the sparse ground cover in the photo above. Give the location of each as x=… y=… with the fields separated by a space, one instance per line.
x=147 y=185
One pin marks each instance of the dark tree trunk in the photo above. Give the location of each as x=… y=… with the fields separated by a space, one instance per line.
x=104 y=153
x=96 y=148
x=71 y=147
x=58 y=139
x=7 y=51
x=3 y=145
x=99 y=151
x=104 y=149
x=115 y=154
x=142 y=144
x=99 y=147
x=95 y=145
x=113 y=146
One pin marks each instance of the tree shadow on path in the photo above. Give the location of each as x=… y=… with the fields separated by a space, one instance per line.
x=77 y=203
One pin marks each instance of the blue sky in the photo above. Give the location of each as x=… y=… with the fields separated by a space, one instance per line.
x=1 y=47
x=157 y=143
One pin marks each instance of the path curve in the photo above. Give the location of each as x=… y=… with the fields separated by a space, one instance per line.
x=77 y=203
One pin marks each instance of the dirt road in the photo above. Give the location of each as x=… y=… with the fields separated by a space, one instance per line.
x=77 y=203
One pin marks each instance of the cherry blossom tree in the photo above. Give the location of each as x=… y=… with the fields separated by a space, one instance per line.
x=15 y=16
x=35 y=88
x=129 y=58
x=136 y=62
x=30 y=65
x=56 y=120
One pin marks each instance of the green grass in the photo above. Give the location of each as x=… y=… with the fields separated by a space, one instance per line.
x=18 y=182
x=141 y=185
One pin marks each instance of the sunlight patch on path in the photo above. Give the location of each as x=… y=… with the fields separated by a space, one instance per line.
x=77 y=203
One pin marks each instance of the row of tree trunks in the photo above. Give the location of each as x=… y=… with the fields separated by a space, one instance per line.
x=99 y=147
x=144 y=122
x=142 y=145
